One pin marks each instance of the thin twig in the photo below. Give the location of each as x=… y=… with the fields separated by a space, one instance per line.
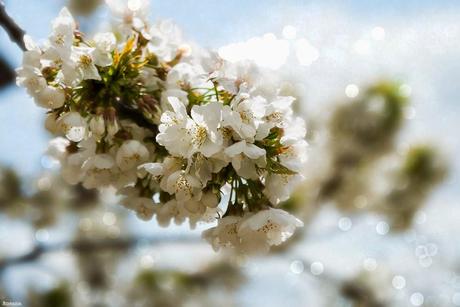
x=92 y=245
x=15 y=32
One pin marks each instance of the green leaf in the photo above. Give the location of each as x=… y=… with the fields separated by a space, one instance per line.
x=277 y=168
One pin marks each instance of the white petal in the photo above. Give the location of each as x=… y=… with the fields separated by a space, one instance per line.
x=235 y=149
x=155 y=169
x=90 y=72
x=178 y=106
x=209 y=115
x=105 y=42
x=30 y=44
x=253 y=152
x=209 y=148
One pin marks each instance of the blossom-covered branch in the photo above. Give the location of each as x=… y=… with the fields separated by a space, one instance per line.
x=181 y=134
x=15 y=32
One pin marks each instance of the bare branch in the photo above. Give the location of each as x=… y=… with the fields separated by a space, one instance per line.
x=15 y=32
x=7 y=74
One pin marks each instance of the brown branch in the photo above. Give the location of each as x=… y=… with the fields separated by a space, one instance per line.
x=7 y=74
x=15 y=32
x=92 y=245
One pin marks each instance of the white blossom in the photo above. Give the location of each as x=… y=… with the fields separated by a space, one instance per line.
x=184 y=186
x=155 y=170
x=72 y=163
x=63 y=33
x=73 y=126
x=131 y=14
x=57 y=148
x=225 y=234
x=274 y=225
x=83 y=60
x=203 y=167
x=171 y=210
x=173 y=132
x=105 y=43
x=99 y=171
x=203 y=129
x=143 y=207
x=51 y=97
x=51 y=124
x=165 y=40
x=185 y=75
x=131 y=154
x=294 y=132
x=32 y=55
x=278 y=187
x=31 y=78
x=245 y=158
x=244 y=115
x=294 y=156
x=97 y=126
x=170 y=166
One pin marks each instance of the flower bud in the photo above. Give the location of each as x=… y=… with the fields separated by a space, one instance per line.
x=51 y=97
x=51 y=124
x=97 y=126
x=110 y=117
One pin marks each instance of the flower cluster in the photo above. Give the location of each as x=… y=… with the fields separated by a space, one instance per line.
x=182 y=135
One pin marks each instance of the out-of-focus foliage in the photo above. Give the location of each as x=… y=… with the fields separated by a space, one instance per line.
x=212 y=286
x=60 y=296
x=83 y=7
x=96 y=266
x=421 y=171
x=10 y=191
x=365 y=128
x=361 y=132
x=98 y=255
x=50 y=197
x=368 y=289
x=358 y=174
x=168 y=288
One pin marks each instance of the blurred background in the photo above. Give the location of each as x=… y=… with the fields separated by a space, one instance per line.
x=377 y=83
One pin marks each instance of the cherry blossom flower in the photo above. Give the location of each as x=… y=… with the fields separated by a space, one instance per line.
x=165 y=40
x=97 y=126
x=245 y=158
x=183 y=186
x=225 y=234
x=83 y=60
x=279 y=187
x=73 y=125
x=245 y=115
x=63 y=33
x=131 y=154
x=203 y=129
x=143 y=207
x=105 y=43
x=275 y=225
x=99 y=171
x=51 y=97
